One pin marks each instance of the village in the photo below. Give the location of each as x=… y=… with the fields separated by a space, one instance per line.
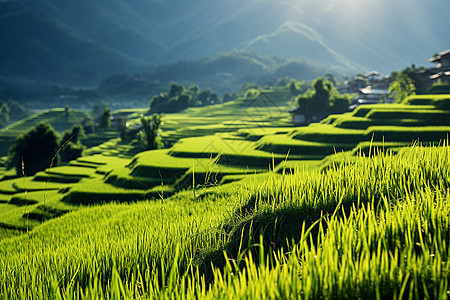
x=373 y=88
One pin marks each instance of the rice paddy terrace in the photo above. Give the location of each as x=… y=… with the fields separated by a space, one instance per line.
x=59 y=122
x=242 y=166
x=214 y=145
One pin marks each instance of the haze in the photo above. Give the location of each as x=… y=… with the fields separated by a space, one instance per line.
x=84 y=41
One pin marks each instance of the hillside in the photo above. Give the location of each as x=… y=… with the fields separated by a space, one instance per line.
x=35 y=47
x=45 y=40
x=214 y=145
x=222 y=73
x=242 y=205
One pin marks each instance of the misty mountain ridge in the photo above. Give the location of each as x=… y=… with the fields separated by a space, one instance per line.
x=223 y=73
x=81 y=42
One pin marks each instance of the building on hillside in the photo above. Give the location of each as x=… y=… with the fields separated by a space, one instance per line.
x=372 y=80
x=441 y=71
x=373 y=76
x=302 y=117
x=370 y=96
x=354 y=84
x=381 y=83
x=441 y=77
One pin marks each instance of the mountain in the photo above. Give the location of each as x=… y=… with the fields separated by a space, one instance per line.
x=227 y=72
x=298 y=41
x=80 y=42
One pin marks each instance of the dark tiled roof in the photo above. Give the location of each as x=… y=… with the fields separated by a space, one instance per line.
x=440 y=56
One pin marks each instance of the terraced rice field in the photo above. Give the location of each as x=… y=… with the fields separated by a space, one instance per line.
x=218 y=144
x=288 y=236
x=241 y=203
x=59 y=122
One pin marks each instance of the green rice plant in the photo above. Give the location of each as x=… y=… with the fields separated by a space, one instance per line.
x=4 y=198
x=364 y=110
x=30 y=184
x=349 y=122
x=330 y=119
x=428 y=117
x=282 y=144
x=149 y=232
x=267 y=111
x=328 y=134
x=231 y=178
x=376 y=148
x=347 y=184
x=11 y=217
x=72 y=171
x=365 y=227
x=6 y=233
x=408 y=134
x=394 y=252
x=132 y=182
x=7 y=186
x=255 y=134
x=202 y=175
x=210 y=145
x=94 y=191
x=157 y=164
x=439 y=101
x=442 y=103
x=290 y=166
x=437 y=88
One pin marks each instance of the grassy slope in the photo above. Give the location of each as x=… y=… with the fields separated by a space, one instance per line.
x=56 y=118
x=104 y=175
x=244 y=146
x=202 y=156
x=375 y=227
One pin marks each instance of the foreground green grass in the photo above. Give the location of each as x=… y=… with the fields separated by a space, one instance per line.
x=366 y=228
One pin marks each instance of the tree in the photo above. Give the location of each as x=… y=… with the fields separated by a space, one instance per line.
x=230 y=96
x=182 y=102
x=98 y=108
x=318 y=99
x=401 y=87
x=72 y=151
x=208 y=97
x=330 y=78
x=175 y=90
x=323 y=89
x=178 y=98
x=35 y=150
x=105 y=119
x=340 y=103
x=193 y=90
x=71 y=143
x=297 y=87
x=324 y=97
x=66 y=112
x=75 y=135
x=421 y=82
x=88 y=124
x=158 y=102
x=150 y=127
x=293 y=89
